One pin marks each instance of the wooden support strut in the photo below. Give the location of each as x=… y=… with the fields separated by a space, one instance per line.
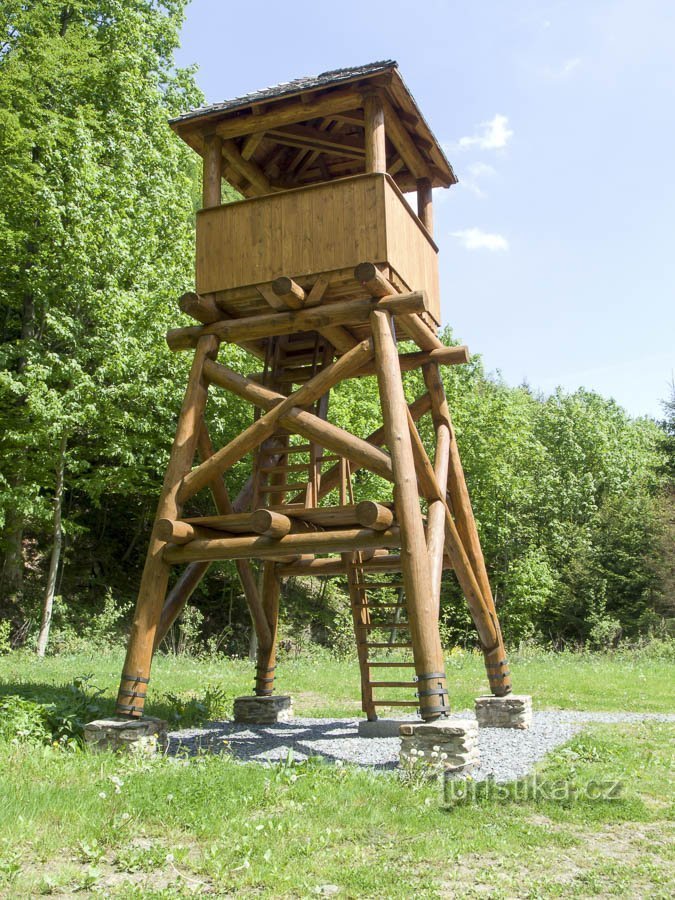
x=331 y=479
x=377 y=285
x=221 y=498
x=315 y=429
x=155 y=577
x=495 y=655
x=284 y=293
x=270 y=588
x=427 y=650
x=483 y=620
x=263 y=427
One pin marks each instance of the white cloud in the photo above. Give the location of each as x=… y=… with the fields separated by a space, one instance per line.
x=493 y=135
x=563 y=71
x=476 y=239
x=476 y=173
x=481 y=170
x=570 y=65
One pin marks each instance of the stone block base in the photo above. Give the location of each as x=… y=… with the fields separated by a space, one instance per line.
x=146 y=735
x=511 y=711
x=263 y=710
x=448 y=745
x=382 y=728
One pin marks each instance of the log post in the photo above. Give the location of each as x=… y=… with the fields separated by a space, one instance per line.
x=425 y=209
x=495 y=657
x=212 y=171
x=152 y=593
x=270 y=589
x=427 y=650
x=436 y=511
x=221 y=498
x=376 y=156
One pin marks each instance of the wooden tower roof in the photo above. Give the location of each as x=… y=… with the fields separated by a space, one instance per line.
x=312 y=130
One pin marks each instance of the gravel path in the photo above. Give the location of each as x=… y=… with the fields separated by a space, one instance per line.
x=506 y=754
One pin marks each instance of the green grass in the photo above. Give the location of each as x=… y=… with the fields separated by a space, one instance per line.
x=324 y=686
x=99 y=824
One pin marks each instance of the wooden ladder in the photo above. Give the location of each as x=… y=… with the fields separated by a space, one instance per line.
x=290 y=358
x=377 y=623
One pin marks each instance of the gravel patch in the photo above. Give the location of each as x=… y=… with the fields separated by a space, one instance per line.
x=506 y=754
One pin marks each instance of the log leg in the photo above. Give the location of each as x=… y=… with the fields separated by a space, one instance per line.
x=496 y=662
x=436 y=512
x=422 y=615
x=270 y=588
x=136 y=672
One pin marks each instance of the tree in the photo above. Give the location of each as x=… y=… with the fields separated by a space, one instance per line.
x=95 y=244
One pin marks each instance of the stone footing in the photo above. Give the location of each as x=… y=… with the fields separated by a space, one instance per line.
x=511 y=711
x=263 y=710
x=146 y=735
x=449 y=745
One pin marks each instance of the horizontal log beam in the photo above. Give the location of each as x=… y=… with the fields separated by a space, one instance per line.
x=270 y=524
x=373 y=515
x=380 y=562
x=243 y=523
x=251 y=328
x=246 y=547
x=315 y=429
x=323 y=104
x=445 y=356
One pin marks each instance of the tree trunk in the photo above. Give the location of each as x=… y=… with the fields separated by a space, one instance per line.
x=12 y=570
x=48 y=602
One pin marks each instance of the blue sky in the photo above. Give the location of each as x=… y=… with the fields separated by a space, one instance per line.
x=557 y=248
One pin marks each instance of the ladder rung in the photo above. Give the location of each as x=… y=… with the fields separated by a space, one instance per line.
x=384 y=625
x=383 y=684
x=280 y=488
x=381 y=646
x=396 y=703
x=374 y=606
x=374 y=585
x=293 y=467
x=297 y=448
x=389 y=665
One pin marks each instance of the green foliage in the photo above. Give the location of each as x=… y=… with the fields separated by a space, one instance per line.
x=58 y=721
x=96 y=243
x=5 y=637
x=193 y=708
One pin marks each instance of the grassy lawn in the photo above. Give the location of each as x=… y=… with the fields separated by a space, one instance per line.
x=72 y=822
x=324 y=686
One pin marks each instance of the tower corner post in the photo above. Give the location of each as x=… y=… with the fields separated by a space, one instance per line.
x=422 y=612
x=154 y=582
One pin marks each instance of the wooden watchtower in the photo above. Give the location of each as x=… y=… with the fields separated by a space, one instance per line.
x=317 y=272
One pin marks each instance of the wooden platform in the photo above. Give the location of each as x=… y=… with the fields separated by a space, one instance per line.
x=324 y=229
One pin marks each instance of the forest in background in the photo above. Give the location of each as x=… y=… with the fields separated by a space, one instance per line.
x=574 y=498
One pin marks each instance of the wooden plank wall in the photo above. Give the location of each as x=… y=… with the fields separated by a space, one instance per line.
x=306 y=231
x=410 y=250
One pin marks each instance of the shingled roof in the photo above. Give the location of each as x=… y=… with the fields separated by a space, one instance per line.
x=288 y=88
x=317 y=121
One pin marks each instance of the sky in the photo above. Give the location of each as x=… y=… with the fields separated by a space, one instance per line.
x=557 y=247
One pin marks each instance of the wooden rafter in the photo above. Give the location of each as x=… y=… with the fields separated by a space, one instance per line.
x=314 y=139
